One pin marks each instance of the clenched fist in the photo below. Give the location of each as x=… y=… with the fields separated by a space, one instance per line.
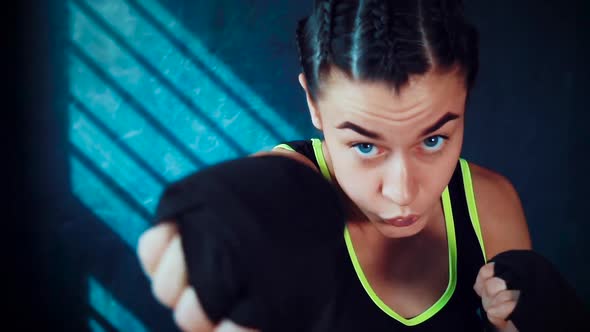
x=498 y=301
x=161 y=256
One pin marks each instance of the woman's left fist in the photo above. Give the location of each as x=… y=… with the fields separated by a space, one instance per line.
x=497 y=300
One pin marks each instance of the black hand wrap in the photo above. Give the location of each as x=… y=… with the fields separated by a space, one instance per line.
x=547 y=301
x=258 y=235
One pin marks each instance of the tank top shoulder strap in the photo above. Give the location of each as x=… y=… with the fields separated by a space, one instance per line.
x=312 y=149
x=471 y=203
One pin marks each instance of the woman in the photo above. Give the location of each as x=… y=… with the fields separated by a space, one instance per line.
x=387 y=82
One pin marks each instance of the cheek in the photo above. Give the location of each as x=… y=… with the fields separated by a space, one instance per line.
x=356 y=180
x=359 y=185
x=348 y=172
x=435 y=177
x=433 y=183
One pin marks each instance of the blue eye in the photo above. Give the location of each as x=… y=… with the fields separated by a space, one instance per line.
x=365 y=149
x=434 y=143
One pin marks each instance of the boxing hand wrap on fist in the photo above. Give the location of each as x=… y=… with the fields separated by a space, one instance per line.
x=531 y=293
x=258 y=236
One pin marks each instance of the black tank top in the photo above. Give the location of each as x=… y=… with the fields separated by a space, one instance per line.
x=355 y=307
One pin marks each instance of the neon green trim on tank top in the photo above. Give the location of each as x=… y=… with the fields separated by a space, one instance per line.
x=319 y=156
x=471 y=206
x=444 y=299
x=452 y=252
x=451 y=244
x=284 y=146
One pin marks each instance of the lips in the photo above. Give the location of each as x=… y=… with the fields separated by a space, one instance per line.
x=402 y=221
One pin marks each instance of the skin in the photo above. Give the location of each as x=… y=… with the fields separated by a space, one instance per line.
x=401 y=172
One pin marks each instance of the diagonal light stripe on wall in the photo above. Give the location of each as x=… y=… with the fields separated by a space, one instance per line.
x=191 y=69
x=148 y=105
x=120 y=216
x=143 y=88
x=118 y=110
x=107 y=306
x=121 y=142
x=95 y=326
x=113 y=161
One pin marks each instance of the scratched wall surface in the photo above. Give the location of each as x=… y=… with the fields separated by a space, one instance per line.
x=150 y=101
x=148 y=91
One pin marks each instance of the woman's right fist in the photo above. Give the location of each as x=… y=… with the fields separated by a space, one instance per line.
x=162 y=259
x=161 y=256
x=219 y=252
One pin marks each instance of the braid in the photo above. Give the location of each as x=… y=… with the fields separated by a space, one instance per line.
x=385 y=36
x=450 y=15
x=385 y=40
x=446 y=12
x=324 y=34
x=300 y=39
x=389 y=36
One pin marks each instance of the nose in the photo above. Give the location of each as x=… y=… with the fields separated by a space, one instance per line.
x=398 y=183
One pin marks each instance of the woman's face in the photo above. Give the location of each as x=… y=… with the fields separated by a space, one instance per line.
x=392 y=154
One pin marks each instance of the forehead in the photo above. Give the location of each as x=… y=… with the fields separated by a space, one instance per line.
x=422 y=98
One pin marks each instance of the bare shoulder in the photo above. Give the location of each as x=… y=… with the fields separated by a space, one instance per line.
x=287 y=153
x=501 y=216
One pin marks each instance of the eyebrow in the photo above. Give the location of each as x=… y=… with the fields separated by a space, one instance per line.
x=370 y=134
x=441 y=122
x=360 y=130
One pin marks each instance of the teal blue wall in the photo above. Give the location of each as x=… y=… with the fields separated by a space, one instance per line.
x=153 y=96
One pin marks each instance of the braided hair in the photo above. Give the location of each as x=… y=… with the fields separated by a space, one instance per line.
x=386 y=40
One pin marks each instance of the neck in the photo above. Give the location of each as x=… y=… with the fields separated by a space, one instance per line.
x=401 y=259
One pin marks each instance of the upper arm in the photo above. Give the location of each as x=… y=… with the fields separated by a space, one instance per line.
x=501 y=215
x=289 y=154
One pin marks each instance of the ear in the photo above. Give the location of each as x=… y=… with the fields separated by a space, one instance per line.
x=313 y=110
